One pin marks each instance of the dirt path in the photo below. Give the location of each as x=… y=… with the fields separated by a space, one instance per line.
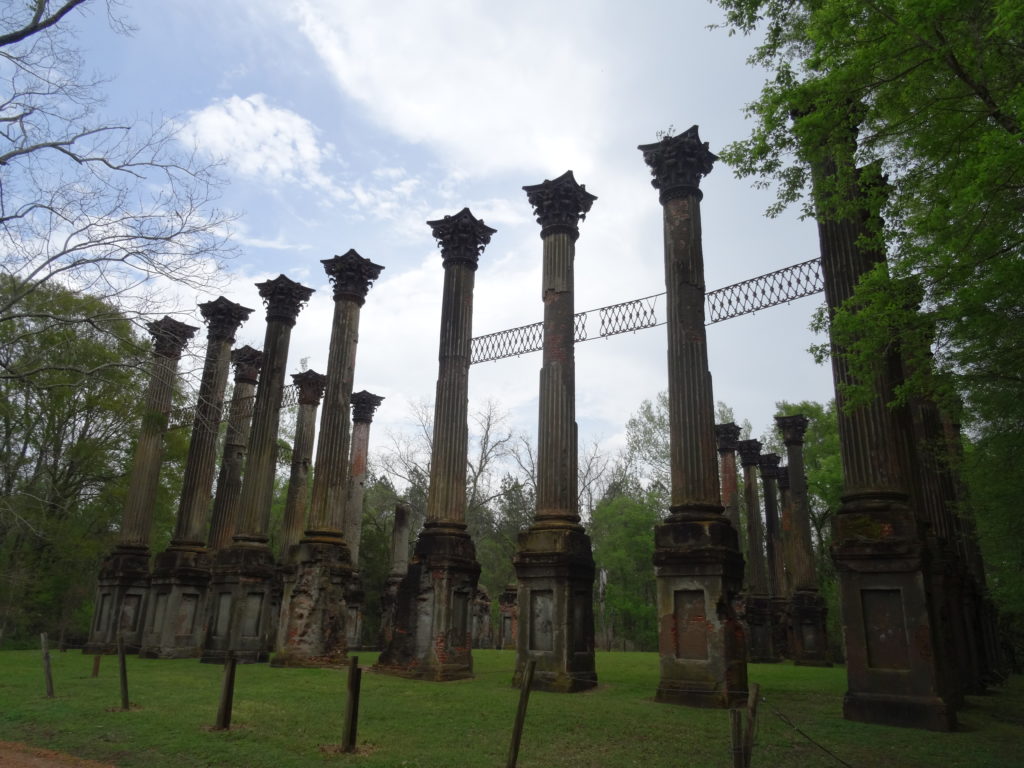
x=15 y=755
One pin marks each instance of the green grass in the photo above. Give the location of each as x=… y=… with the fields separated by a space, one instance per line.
x=282 y=717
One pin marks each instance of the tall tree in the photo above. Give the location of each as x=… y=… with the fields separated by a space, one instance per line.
x=100 y=206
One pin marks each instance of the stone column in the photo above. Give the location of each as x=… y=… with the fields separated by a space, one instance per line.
x=808 y=611
x=310 y=385
x=758 y=610
x=432 y=636
x=399 y=567
x=769 y=466
x=364 y=404
x=893 y=643
x=247 y=362
x=181 y=574
x=728 y=435
x=786 y=524
x=553 y=560
x=244 y=589
x=314 y=614
x=124 y=575
x=697 y=560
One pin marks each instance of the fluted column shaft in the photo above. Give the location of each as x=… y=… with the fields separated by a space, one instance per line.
x=284 y=300
x=400 y=541
x=804 y=575
x=364 y=404
x=693 y=457
x=786 y=524
x=224 y=318
x=557 y=455
x=236 y=445
x=727 y=435
x=330 y=482
x=773 y=531
x=311 y=388
x=757 y=571
x=446 y=502
x=169 y=338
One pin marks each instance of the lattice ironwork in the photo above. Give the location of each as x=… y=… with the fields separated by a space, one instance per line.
x=772 y=289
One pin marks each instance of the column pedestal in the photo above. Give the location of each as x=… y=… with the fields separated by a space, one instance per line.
x=355 y=599
x=555 y=570
x=121 y=592
x=312 y=631
x=432 y=637
x=892 y=670
x=508 y=618
x=700 y=640
x=175 y=624
x=809 y=635
x=244 y=600
x=782 y=629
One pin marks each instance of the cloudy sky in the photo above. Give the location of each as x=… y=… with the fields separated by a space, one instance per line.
x=348 y=124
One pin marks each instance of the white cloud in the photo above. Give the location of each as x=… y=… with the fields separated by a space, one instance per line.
x=264 y=142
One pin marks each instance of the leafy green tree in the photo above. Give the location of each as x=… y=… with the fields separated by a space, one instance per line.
x=66 y=441
x=622 y=533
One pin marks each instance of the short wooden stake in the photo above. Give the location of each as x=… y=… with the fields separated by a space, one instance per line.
x=736 y=738
x=122 y=672
x=227 y=694
x=748 y=742
x=517 y=728
x=355 y=676
x=96 y=665
x=44 y=641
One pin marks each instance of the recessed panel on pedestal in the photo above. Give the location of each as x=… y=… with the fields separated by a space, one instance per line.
x=251 y=614
x=541 y=618
x=885 y=626
x=187 y=614
x=130 y=613
x=691 y=624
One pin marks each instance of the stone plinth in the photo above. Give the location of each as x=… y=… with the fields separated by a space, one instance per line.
x=316 y=582
x=432 y=636
x=697 y=562
x=553 y=560
x=245 y=588
x=399 y=567
x=123 y=583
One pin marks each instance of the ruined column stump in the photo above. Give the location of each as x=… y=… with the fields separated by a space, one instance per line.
x=508 y=618
x=242 y=607
x=808 y=616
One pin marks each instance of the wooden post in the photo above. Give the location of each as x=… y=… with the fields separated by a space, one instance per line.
x=96 y=665
x=748 y=741
x=227 y=694
x=517 y=729
x=122 y=670
x=736 y=738
x=44 y=641
x=355 y=676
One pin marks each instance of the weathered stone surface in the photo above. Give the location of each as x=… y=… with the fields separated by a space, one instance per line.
x=399 y=567
x=316 y=585
x=432 y=634
x=728 y=435
x=508 y=618
x=553 y=560
x=697 y=562
x=483 y=627
x=245 y=588
x=123 y=582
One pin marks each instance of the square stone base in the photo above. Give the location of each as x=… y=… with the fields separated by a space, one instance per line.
x=893 y=644
x=121 y=596
x=555 y=569
x=432 y=637
x=243 y=603
x=782 y=628
x=809 y=616
x=175 y=618
x=314 y=614
x=760 y=630
x=701 y=642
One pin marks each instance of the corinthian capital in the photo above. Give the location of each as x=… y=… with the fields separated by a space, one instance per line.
x=170 y=336
x=283 y=298
x=792 y=428
x=677 y=164
x=560 y=204
x=352 y=276
x=462 y=237
x=223 y=318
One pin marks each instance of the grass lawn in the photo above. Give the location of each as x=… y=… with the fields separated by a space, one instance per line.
x=284 y=717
